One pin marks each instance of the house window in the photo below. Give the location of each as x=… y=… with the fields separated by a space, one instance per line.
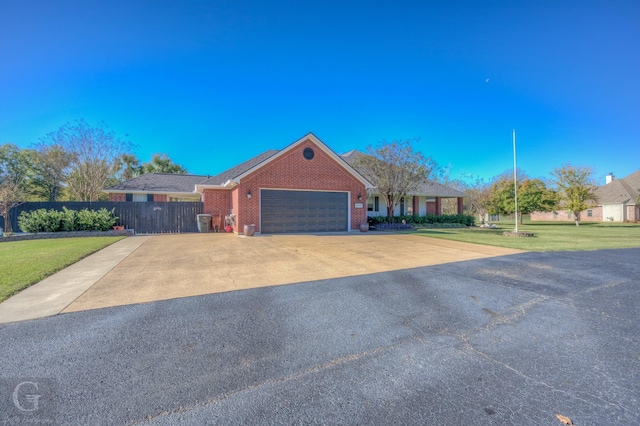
x=555 y=215
x=568 y=215
x=140 y=197
x=589 y=213
x=374 y=206
x=308 y=153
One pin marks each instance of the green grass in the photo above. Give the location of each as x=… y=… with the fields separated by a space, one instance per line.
x=24 y=263
x=549 y=236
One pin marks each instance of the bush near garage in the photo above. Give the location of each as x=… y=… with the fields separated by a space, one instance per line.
x=425 y=221
x=43 y=220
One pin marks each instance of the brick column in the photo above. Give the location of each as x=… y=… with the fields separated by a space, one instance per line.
x=438 y=206
x=416 y=205
x=460 y=205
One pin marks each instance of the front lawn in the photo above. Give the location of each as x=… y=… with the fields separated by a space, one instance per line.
x=549 y=236
x=24 y=263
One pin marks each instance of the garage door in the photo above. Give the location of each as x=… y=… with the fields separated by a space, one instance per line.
x=303 y=211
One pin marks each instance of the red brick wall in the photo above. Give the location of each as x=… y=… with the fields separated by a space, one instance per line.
x=562 y=216
x=293 y=171
x=158 y=198
x=431 y=207
x=217 y=201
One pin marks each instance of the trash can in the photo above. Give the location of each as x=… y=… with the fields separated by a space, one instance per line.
x=204 y=222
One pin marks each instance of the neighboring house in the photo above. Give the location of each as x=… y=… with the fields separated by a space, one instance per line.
x=305 y=187
x=617 y=202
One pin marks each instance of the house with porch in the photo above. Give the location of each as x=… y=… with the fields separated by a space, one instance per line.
x=427 y=199
x=305 y=187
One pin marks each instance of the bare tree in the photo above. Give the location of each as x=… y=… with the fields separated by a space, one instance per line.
x=576 y=188
x=96 y=153
x=478 y=198
x=395 y=170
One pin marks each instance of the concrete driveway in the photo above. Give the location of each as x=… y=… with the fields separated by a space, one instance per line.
x=172 y=266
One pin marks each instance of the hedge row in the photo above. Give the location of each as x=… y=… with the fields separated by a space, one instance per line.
x=43 y=220
x=426 y=220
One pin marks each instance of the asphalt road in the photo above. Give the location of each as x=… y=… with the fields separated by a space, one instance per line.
x=509 y=340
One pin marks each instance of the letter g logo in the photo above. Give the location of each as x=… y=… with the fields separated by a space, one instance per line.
x=31 y=399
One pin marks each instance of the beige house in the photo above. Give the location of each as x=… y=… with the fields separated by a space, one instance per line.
x=617 y=202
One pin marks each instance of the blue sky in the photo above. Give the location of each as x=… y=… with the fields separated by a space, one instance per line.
x=213 y=83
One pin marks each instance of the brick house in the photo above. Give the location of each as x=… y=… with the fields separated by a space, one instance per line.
x=617 y=202
x=305 y=187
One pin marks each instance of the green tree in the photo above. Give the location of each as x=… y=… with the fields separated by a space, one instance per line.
x=395 y=169
x=161 y=163
x=51 y=168
x=96 y=153
x=533 y=195
x=130 y=166
x=501 y=192
x=15 y=172
x=576 y=188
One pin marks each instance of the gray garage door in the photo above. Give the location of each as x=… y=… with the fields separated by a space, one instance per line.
x=303 y=211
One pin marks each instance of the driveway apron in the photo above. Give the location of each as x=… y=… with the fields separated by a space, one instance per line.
x=173 y=266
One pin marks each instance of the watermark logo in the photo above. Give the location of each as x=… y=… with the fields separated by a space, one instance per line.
x=32 y=399
x=27 y=401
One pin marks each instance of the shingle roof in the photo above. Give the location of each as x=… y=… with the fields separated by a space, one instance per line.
x=430 y=188
x=239 y=169
x=160 y=182
x=620 y=190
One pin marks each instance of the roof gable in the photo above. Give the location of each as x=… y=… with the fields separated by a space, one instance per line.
x=234 y=175
x=620 y=190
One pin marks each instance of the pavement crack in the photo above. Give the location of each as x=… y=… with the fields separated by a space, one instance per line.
x=520 y=311
x=545 y=384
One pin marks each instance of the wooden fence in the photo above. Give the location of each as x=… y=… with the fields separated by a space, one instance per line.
x=143 y=218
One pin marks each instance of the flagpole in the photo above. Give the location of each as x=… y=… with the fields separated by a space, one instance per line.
x=515 y=180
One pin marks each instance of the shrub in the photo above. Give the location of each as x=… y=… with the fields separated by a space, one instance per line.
x=429 y=220
x=69 y=219
x=43 y=220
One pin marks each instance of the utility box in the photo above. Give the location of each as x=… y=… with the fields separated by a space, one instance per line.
x=204 y=222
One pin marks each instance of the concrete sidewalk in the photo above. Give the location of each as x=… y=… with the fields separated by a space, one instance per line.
x=51 y=295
